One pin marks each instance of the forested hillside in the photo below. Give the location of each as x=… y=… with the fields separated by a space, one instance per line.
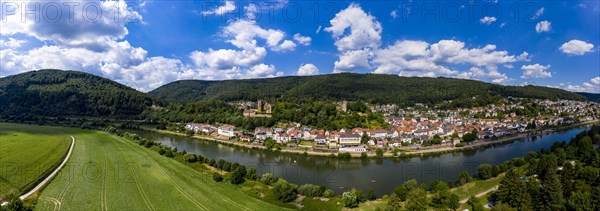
x=60 y=93
x=366 y=87
x=57 y=92
x=590 y=96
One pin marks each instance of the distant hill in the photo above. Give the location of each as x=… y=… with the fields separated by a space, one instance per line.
x=373 y=88
x=57 y=92
x=590 y=96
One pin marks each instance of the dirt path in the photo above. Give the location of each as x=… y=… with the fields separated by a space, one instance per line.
x=481 y=194
x=49 y=177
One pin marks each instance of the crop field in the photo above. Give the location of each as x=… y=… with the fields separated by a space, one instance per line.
x=28 y=154
x=106 y=172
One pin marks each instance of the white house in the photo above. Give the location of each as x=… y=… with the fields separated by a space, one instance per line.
x=320 y=140
x=260 y=133
x=282 y=137
x=227 y=131
x=199 y=128
x=349 y=139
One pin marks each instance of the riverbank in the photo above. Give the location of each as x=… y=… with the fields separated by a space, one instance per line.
x=486 y=142
x=404 y=152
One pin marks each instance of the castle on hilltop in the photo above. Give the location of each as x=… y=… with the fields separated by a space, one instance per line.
x=264 y=108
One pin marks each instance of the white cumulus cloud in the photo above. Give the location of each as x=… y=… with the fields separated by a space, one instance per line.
x=104 y=52
x=576 y=47
x=11 y=43
x=535 y=71
x=354 y=29
x=537 y=14
x=308 y=69
x=353 y=60
x=543 y=26
x=592 y=86
x=243 y=34
x=90 y=24
x=303 y=40
x=487 y=20
x=228 y=7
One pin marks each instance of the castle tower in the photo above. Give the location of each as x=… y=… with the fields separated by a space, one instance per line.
x=259 y=105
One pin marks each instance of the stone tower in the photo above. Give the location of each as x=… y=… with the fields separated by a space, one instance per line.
x=259 y=105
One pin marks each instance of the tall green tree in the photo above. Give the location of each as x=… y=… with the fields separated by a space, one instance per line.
x=485 y=171
x=454 y=202
x=552 y=193
x=364 y=139
x=442 y=198
x=581 y=201
x=475 y=204
x=464 y=177
x=394 y=203
x=512 y=191
x=417 y=200
x=403 y=190
x=237 y=176
x=251 y=175
x=285 y=191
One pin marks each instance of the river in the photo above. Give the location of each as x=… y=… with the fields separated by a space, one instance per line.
x=381 y=175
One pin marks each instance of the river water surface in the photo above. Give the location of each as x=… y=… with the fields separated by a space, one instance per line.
x=381 y=175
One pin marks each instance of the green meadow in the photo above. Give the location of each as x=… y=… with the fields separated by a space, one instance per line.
x=106 y=172
x=28 y=154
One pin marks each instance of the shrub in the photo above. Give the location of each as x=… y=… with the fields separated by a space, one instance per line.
x=237 y=176
x=190 y=158
x=200 y=158
x=518 y=162
x=485 y=171
x=148 y=144
x=349 y=199
x=371 y=195
x=217 y=177
x=251 y=175
x=464 y=177
x=403 y=190
x=284 y=191
x=328 y=193
x=268 y=179
x=311 y=190
x=226 y=166
x=364 y=155
x=220 y=164
x=379 y=152
x=345 y=155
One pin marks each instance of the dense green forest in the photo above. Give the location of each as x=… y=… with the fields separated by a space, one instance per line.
x=590 y=96
x=565 y=177
x=306 y=100
x=59 y=93
x=319 y=114
x=372 y=88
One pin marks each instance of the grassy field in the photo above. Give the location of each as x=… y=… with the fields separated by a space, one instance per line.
x=28 y=154
x=107 y=172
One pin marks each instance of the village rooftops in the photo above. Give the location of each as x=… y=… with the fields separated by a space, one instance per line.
x=227 y=127
x=349 y=135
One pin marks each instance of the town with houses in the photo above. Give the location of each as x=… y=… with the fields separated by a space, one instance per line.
x=411 y=127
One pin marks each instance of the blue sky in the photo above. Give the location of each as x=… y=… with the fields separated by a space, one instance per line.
x=146 y=44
